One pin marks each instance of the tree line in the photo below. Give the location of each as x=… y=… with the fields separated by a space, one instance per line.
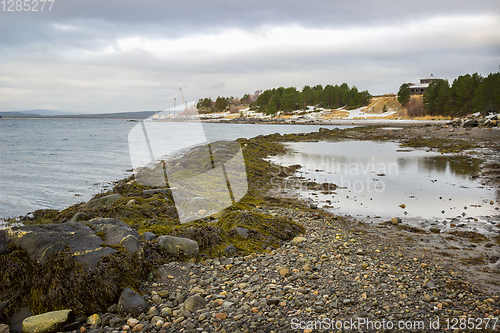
x=289 y=99
x=467 y=94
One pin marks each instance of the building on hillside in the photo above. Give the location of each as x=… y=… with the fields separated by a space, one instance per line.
x=419 y=89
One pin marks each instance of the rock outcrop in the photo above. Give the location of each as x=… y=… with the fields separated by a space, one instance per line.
x=88 y=241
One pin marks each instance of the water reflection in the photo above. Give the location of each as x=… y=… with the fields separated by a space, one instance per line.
x=458 y=165
x=380 y=179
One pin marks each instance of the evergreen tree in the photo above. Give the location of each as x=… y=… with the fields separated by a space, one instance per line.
x=463 y=91
x=306 y=97
x=487 y=96
x=318 y=94
x=404 y=94
x=220 y=104
x=437 y=98
x=289 y=99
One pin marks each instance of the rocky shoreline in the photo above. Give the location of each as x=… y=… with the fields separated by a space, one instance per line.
x=236 y=275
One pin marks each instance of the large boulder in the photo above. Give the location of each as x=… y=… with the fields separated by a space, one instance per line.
x=45 y=323
x=102 y=201
x=131 y=302
x=178 y=245
x=88 y=241
x=42 y=241
x=116 y=232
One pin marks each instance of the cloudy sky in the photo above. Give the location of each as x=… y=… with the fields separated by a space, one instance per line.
x=109 y=56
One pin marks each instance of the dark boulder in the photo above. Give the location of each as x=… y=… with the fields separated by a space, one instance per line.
x=131 y=302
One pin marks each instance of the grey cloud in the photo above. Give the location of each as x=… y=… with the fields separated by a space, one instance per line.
x=52 y=58
x=104 y=20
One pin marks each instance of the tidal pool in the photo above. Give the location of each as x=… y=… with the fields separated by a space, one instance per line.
x=381 y=180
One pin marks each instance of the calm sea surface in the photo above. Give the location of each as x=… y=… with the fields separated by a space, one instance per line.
x=379 y=180
x=55 y=163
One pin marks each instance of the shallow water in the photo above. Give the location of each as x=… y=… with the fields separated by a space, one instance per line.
x=379 y=181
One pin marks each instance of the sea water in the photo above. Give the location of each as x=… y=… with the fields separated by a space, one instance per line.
x=55 y=163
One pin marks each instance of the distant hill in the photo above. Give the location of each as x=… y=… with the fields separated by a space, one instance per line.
x=57 y=114
x=35 y=112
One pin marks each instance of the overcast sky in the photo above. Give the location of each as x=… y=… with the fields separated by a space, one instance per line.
x=109 y=56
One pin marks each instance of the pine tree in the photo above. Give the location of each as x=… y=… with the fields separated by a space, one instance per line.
x=487 y=96
x=404 y=94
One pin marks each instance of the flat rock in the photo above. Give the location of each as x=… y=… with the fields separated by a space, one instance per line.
x=131 y=302
x=47 y=322
x=177 y=245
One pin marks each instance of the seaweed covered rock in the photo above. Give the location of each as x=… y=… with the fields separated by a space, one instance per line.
x=42 y=241
x=45 y=323
x=252 y=224
x=102 y=201
x=178 y=245
x=64 y=283
x=116 y=232
x=85 y=240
